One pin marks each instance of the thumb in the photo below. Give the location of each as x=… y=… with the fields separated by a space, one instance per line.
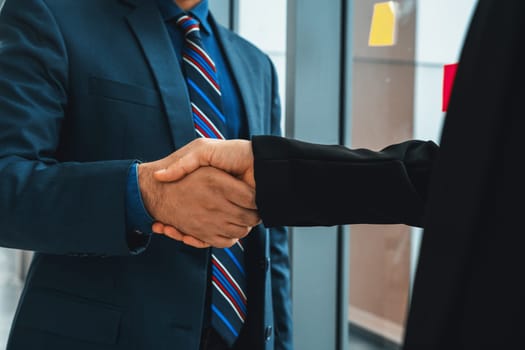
x=179 y=168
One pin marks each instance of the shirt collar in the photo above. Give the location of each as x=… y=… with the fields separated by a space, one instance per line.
x=169 y=11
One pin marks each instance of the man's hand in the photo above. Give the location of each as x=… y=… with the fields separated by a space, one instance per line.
x=232 y=156
x=175 y=234
x=211 y=206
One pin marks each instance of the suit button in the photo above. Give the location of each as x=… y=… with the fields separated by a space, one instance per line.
x=265 y=264
x=268 y=333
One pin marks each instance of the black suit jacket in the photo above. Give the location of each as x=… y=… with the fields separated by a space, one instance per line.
x=304 y=184
x=468 y=291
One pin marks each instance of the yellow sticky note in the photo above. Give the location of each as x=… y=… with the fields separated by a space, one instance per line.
x=383 y=30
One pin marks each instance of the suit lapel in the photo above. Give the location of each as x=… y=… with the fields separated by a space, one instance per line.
x=149 y=28
x=240 y=68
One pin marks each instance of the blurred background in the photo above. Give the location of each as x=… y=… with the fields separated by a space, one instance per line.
x=351 y=284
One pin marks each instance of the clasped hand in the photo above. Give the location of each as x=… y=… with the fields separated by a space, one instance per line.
x=203 y=194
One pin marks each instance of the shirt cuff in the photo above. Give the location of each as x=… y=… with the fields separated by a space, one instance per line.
x=138 y=220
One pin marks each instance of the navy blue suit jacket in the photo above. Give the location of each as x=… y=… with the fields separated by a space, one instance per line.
x=86 y=88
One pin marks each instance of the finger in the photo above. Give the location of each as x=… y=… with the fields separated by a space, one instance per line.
x=237 y=191
x=223 y=242
x=178 y=169
x=194 y=242
x=235 y=215
x=242 y=195
x=192 y=156
x=158 y=227
x=236 y=231
x=249 y=177
x=173 y=233
x=250 y=218
x=244 y=217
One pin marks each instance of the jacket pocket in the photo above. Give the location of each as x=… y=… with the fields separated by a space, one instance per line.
x=125 y=92
x=70 y=316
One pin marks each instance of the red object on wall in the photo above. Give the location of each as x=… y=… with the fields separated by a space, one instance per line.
x=448 y=81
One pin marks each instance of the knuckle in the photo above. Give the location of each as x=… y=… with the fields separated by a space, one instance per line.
x=231 y=242
x=171 y=235
x=226 y=243
x=246 y=231
x=248 y=198
x=240 y=231
x=255 y=220
x=248 y=218
x=199 y=141
x=220 y=244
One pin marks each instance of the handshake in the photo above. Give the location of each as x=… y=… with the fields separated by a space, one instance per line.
x=203 y=194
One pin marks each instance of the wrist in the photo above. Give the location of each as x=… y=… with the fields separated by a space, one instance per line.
x=149 y=188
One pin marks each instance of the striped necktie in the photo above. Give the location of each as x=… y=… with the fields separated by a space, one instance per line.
x=228 y=280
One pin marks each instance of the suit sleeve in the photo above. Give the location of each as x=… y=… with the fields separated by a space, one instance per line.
x=46 y=205
x=280 y=267
x=306 y=184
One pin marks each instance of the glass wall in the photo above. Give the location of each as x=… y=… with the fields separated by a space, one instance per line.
x=10 y=287
x=396 y=95
x=264 y=24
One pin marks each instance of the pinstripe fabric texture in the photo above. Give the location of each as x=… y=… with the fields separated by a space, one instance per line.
x=228 y=297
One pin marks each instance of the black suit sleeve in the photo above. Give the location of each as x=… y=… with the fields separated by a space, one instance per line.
x=305 y=184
